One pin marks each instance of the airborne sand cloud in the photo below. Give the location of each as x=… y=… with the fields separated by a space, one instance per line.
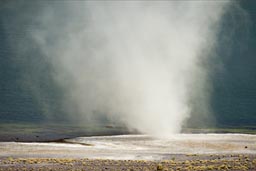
x=140 y=64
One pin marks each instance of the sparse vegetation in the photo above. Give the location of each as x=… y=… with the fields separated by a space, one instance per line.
x=198 y=163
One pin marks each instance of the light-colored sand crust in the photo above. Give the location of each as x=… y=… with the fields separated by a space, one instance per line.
x=134 y=152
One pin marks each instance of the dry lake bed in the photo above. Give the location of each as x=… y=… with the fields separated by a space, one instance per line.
x=134 y=152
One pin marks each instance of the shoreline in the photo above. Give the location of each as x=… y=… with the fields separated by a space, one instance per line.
x=42 y=132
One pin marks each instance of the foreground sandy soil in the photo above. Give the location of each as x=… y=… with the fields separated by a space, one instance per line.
x=189 y=152
x=236 y=162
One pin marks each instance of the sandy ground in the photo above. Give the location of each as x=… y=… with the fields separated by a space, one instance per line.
x=182 y=162
x=134 y=152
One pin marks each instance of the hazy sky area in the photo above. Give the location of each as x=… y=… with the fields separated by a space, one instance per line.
x=150 y=66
